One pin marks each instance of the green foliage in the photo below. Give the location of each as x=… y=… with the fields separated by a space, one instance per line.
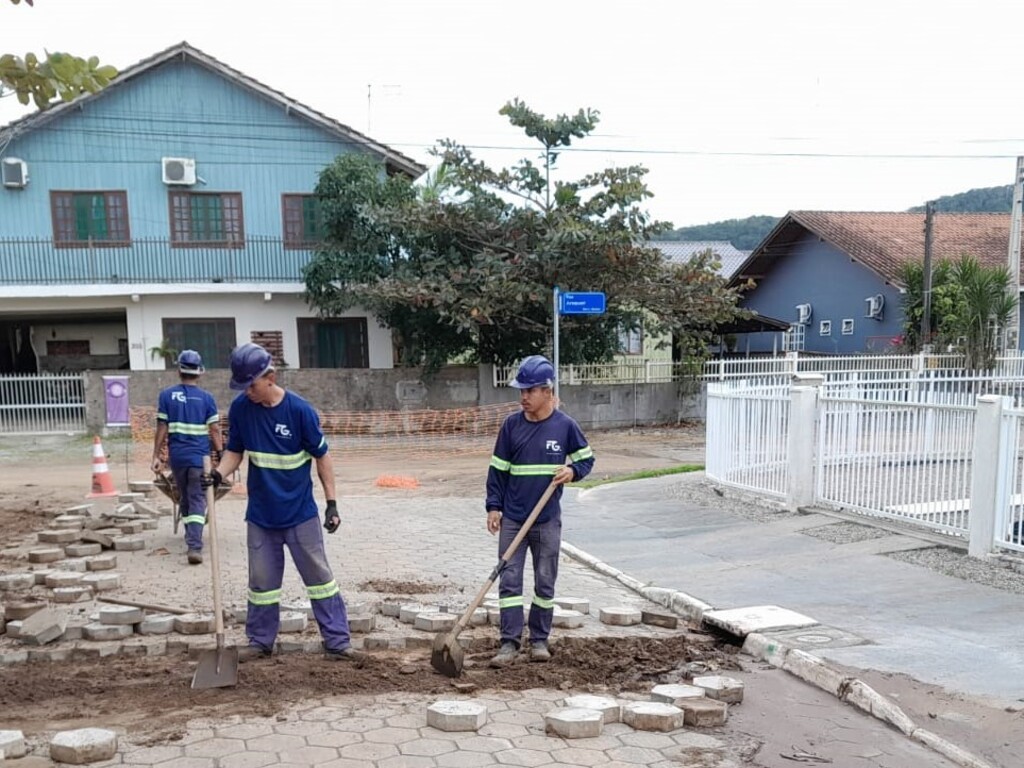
x=744 y=234
x=468 y=263
x=41 y=80
x=971 y=305
x=982 y=200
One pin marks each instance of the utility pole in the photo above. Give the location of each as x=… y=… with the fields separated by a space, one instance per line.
x=926 y=287
x=1013 y=257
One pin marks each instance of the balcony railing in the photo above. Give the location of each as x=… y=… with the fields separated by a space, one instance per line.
x=39 y=262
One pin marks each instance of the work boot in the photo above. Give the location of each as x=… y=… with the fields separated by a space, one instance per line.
x=348 y=653
x=540 y=652
x=195 y=557
x=255 y=651
x=506 y=655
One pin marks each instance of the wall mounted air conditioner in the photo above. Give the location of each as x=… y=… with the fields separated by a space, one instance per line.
x=14 y=173
x=803 y=313
x=178 y=170
x=875 y=304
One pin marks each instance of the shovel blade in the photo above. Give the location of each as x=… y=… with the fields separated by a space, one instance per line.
x=216 y=669
x=447 y=655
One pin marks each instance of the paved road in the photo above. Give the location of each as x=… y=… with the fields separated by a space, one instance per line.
x=956 y=634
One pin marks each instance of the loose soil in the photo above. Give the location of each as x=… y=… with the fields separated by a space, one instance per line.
x=134 y=693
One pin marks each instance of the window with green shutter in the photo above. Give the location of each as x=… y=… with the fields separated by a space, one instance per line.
x=94 y=218
x=302 y=221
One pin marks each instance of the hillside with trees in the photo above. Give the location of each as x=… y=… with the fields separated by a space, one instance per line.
x=982 y=200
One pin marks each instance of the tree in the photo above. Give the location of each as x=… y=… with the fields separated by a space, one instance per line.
x=971 y=306
x=469 y=268
x=41 y=80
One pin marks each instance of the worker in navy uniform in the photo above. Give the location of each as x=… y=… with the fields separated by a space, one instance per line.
x=532 y=448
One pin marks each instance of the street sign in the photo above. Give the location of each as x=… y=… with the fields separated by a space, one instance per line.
x=591 y=303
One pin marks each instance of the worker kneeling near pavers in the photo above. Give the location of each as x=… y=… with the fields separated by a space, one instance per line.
x=531 y=451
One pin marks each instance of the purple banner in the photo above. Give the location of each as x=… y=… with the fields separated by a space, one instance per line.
x=115 y=389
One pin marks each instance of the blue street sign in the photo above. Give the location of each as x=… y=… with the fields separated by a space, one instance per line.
x=591 y=303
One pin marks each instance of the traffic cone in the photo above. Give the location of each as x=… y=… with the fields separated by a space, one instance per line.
x=102 y=482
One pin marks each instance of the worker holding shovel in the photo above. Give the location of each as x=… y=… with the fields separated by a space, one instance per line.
x=530 y=454
x=281 y=432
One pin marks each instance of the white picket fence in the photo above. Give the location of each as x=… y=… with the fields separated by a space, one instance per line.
x=45 y=403
x=943 y=451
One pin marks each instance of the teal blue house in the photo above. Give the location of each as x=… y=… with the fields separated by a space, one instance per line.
x=172 y=210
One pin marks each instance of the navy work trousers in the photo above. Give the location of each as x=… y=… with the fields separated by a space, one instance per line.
x=192 y=504
x=544 y=541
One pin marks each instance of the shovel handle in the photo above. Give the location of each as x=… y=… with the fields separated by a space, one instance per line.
x=211 y=519
x=506 y=556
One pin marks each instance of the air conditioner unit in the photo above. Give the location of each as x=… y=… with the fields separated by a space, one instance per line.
x=179 y=170
x=875 y=305
x=803 y=313
x=14 y=172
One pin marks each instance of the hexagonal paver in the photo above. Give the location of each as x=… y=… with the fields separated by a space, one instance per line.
x=464 y=760
x=356 y=724
x=404 y=761
x=302 y=727
x=676 y=692
x=637 y=755
x=215 y=747
x=309 y=755
x=574 y=723
x=579 y=756
x=504 y=730
x=389 y=735
x=248 y=760
x=84 y=745
x=646 y=739
x=428 y=747
x=190 y=762
x=334 y=739
x=274 y=742
x=526 y=757
x=451 y=716
x=721 y=687
x=366 y=751
x=609 y=708
x=150 y=755
x=652 y=716
x=484 y=744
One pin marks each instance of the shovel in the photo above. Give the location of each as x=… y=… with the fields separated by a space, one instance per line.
x=217 y=668
x=447 y=656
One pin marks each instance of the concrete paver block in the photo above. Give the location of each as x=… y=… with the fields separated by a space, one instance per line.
x=740 y=622
x=478 y=618
x=240 y=614
x=129 y=498
x=158 y=624
x=580 y=604
x=652 y=716
x=101 y=582
x=76 y=564
x=71 y=594
x=456 y=715
x=57 y=536
x=567 y=619
x=293 y=621
x=610 y=709
x=13 y=628
x=704 y=713
x=362 y=624
x=43 y=627
x=407 y=613
x=11 y=582
x=659 y=619
x=389 y=608
x=574 y=723
x=149 y=525
x=82 y=549
x=675 y=693
x=721 y=688
x=103 y=539
x=52 y=654
x=378 y=643
x=193 y=624
x=13 y=657
x=121 y=614
x=97 y=631
x=128 y=543
x=141 y=487
x=22 y=610
x=79 y=509
x=101 y=562
x=434 y=621
x=41 y=574
x=12 y=743
x=620 y=616
x=86 y=745
x=62 y=579
x=130 y=527
x=72 y=522
x=45 y=555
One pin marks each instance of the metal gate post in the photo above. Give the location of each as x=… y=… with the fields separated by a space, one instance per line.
x=988 y=473
x=803 y=414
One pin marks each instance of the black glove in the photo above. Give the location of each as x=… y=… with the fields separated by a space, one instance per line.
x=331 y=517
x=214 y=479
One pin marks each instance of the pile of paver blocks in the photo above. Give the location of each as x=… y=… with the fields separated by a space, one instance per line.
x=703 y=703
x=77 y=747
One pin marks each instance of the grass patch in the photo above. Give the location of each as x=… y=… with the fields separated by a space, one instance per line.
x=641 y=475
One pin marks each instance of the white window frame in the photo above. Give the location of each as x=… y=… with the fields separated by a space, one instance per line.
x=847 y=327
x=825 y=328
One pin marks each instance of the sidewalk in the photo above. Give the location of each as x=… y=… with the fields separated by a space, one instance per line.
x=891 y=616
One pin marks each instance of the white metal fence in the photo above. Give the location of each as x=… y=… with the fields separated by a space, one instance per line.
x=623 y=371
x=747 y=445
x=46 y=403
x=883 y=444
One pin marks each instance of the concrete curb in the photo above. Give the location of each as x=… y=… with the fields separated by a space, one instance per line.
x=795 y=661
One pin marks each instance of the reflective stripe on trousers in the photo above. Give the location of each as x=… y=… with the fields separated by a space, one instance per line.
x=544 y=541
x=305 y=543
x=192 y=506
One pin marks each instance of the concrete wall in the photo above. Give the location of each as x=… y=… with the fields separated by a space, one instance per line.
x=347 y=389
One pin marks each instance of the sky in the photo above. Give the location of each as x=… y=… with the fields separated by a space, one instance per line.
x=736 y=107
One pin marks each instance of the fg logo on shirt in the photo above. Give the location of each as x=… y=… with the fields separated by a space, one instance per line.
x=282 y=430
x=179 y=396
x=552 y=446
